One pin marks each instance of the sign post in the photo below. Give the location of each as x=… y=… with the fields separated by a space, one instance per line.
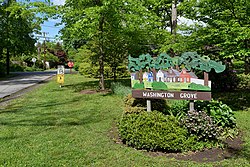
x=60 y=74
x=34 y=61
x=70 y=64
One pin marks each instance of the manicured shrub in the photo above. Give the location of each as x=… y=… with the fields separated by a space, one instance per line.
x=200 y=124
x=130 y=110
x=119 y=89
x=154 y=131
x=159 y=86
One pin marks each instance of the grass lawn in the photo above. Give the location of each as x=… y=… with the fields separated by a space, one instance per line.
x=54 y=126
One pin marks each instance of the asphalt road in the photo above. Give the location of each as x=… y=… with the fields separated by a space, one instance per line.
x=23 y=80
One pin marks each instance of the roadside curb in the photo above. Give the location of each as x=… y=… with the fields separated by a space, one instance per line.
x=6 y=99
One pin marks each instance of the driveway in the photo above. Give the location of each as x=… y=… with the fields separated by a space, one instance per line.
x=22 y=81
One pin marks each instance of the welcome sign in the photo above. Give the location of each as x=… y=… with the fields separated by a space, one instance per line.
x=165 y=77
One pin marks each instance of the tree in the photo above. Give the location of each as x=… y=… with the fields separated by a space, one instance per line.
x=17 y=23
x=111 y=29
x=226 y=33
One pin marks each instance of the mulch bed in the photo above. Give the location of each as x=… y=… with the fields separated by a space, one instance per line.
x=208 y=155
x=234 y=146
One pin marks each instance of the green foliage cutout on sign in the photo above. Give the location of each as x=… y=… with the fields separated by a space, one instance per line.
x=172 y=73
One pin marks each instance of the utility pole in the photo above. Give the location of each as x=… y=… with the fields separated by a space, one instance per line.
x=7 y=4
x=44 y=51
x=38 y=52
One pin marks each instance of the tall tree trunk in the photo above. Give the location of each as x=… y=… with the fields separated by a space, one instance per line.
x=205 y=79
x=247 y=64
x=101 y=70
x=174 y=17
x=8 y=61
x=101 y=57
x=114 y=73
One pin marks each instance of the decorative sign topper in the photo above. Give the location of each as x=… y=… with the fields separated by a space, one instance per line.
x=172 y=78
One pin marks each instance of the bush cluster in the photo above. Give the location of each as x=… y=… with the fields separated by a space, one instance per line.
x=16 y=68
x=89 y=70
x=177 y=108
x=173 y=128
x=201 y=125
x=154 y=131
x=244 y=81
x=238 y=65
x=221 y=113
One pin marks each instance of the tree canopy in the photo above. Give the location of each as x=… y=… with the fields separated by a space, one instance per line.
x=224 y=29
x=111 y=29
x=191 y=60
x=18 y=22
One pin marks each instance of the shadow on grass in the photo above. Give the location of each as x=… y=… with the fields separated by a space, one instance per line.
x=55 y=119
x=237 y=100
x=71 y=118
x=52 y=113
x=95 y=84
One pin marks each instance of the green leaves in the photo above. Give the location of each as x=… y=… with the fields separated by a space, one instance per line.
x=191 y=60
x=202 y=125
x=154 y=131
x=225 y=30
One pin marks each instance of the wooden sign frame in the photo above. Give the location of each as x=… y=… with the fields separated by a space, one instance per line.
x=172 y=95
x=175 y=78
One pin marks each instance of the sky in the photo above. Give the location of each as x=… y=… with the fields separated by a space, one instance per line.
x=49 y=27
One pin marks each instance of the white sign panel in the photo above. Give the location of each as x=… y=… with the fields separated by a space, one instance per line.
x=60 y=69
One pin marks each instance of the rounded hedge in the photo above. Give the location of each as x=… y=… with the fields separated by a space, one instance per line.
x=154 y=131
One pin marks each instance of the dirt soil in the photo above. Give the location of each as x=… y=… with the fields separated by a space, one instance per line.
x=209 y=155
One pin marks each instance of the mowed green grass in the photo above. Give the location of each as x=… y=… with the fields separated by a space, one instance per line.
x=54 y=126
